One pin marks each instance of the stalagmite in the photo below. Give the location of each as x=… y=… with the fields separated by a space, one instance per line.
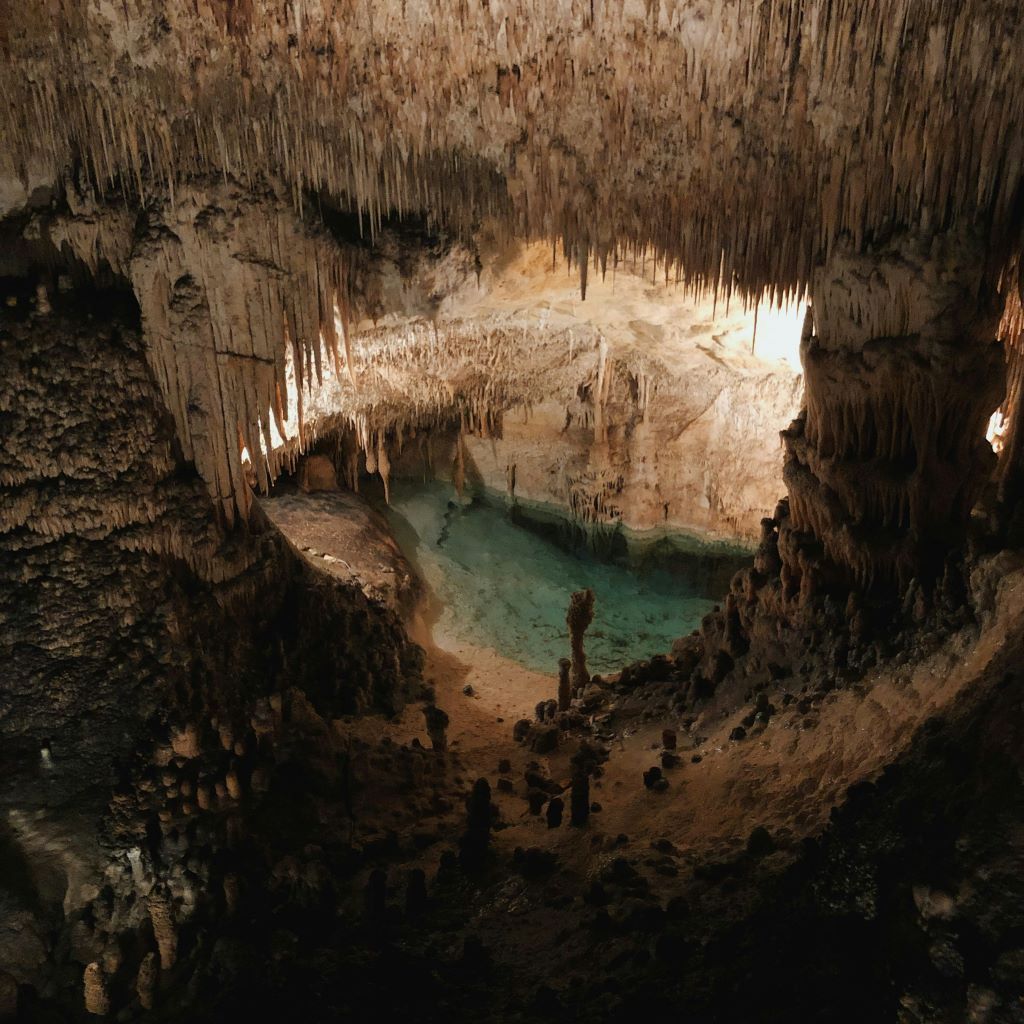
x=579 y=800
x=578 y=618
x=564 y=684
x=475 y=841
x=165 y=932
x=459 y=469
x=437 y=726
x=97 y=998
x=145 y=982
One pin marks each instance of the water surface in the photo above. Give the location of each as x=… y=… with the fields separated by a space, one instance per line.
x=503 y=580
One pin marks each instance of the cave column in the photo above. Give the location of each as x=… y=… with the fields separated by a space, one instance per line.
x=1010 y=437
x=902 y=372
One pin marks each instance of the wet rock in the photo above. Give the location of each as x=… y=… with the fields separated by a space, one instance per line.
x=668 y=739
x=652 y=776
x=468 y=690
x=737 y=734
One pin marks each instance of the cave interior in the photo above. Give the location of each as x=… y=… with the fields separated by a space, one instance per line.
x=512 y=511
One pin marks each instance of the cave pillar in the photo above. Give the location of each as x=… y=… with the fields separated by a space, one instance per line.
x=902 y=371
x=1010 y=437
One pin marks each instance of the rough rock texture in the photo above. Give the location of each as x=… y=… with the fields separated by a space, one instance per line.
x=126 y=613
x=715 y=133
x=671 y=401
x=343 y=536
x=229 y=282
x=703 y=455
x=902 y=374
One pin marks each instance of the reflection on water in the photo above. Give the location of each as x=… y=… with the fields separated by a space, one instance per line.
x=503 y=580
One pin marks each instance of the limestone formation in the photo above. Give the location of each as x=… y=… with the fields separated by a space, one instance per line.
x=475 y=841
x=678 y=179
x=316 y=473
x=555 y=253
x=903 y=372
x=554 y=812
x=97 y=998
x=437 y=726
x=578 y=618
x=579 y=798
x=145 y=981
x=161 y=916
x=564 y=684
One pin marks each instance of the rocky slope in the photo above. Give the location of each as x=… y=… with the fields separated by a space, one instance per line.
x=136 y=637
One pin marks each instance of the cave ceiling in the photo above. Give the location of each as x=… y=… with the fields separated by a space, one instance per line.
x=740 y=139
x=735 y=145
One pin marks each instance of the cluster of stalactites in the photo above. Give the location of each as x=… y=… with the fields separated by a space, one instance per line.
x=240 y=303
x=889 y=456
x=1008 y=433
x=711 y=137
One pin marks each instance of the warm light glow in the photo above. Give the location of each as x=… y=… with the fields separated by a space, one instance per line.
x=996 y=430
x=778 y=333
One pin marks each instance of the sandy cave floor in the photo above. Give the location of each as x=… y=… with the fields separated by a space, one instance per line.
x=786 y=777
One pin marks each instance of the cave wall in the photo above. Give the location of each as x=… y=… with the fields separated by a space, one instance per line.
x=134 y=631
x=696 y=452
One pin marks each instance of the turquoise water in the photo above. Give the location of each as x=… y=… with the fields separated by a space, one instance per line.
x=504 y=582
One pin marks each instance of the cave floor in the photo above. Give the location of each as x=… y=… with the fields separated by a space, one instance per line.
x=786 y=777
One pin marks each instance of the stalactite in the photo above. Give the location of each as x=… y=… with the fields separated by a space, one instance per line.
x=902 y=371
x=645 y=164
x=384 y=467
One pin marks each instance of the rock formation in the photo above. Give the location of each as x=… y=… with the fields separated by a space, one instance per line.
x=542 y=248
x=564 y=684
x=902 y=373
x=578 y=618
